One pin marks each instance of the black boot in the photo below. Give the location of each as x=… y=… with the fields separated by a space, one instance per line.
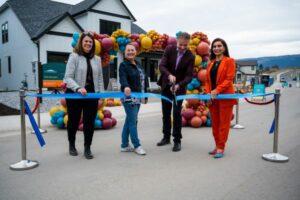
x=163 y=142
x=87 y=152
x=73 y=150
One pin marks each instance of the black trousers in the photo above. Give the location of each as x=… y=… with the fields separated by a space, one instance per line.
x=88 y=108
x=166 y=111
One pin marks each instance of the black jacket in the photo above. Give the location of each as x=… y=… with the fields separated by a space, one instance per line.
x=130 y=76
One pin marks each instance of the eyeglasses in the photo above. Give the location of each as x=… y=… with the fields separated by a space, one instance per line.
x=89 y=33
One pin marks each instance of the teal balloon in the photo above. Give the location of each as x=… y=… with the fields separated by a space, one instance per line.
x=98 y=123
x=60 y=122
x=208 y=122
x=74 y=44
x=195 y=82
x=122 y=48
x=59 y=114
x=76 y=36
x=119 y=39
x=208 y=115
x=190 y=86
x=53 y=120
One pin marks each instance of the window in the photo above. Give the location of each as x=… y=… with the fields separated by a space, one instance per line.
x=58 y=57
x=252 y=68
x=9 y=64
x=108 y=27
x=154 y=70
x=4 y=29
x=0 y=69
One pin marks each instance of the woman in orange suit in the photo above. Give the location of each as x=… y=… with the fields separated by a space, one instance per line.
x=219 y=80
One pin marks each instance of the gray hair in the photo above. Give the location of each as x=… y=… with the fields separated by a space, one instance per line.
x=184 y=35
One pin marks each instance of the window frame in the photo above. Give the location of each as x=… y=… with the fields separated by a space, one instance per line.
x=103 y=24
x=4 y=32
x=0 y=69
x=9 y=64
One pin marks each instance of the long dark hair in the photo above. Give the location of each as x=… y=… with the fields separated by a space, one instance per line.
x=79 y=49
x=226 y=52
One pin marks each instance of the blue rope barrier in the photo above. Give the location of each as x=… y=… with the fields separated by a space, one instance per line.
x=34 y=125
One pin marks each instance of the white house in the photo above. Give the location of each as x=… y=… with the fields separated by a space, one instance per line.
x=246 y=70
x=41 y=31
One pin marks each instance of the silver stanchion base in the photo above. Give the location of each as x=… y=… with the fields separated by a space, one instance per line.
x=24 y=165
x=237 y=126
x=275 y=157
x=41 y=130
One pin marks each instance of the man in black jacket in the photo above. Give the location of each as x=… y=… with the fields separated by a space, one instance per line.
x=176 y=69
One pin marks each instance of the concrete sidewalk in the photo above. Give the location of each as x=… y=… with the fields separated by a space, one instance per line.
x=190 y=174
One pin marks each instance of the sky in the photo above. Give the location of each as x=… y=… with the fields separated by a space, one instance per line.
x=251 y=28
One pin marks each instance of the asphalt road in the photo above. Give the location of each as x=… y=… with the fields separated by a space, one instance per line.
x=190 y=174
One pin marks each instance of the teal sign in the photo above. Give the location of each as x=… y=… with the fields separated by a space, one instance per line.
x=53 y=71
x=258 y=89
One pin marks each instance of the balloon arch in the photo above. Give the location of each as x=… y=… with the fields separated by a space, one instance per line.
x=194 y=112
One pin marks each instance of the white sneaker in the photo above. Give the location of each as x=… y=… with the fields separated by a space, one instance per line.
x=127 y=149
x=140 y=151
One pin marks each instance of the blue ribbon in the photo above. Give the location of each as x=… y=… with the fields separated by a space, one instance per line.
x=34 y=125
x=144 y=95
x=220 y=96
x=272 y=129
x=99 y=95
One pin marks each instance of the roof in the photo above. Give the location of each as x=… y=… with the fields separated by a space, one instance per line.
x=87 y=5
x=246 y=62
x=39 y=16
x=82 y=6
x=135 y=29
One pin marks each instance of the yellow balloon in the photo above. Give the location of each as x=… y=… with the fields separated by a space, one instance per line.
x=61 y=108
x=66 y=118
x=53 y=110
x=198 y=60
x=195 y=91
x=195 y=41
x=97 y=47
x=142 y=36
x=101 y=115
x=146 y=43
x=113 y=39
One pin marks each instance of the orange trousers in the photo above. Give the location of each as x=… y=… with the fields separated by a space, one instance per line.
x=220 y=118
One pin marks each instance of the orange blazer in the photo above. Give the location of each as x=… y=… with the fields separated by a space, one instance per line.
x=225 y=77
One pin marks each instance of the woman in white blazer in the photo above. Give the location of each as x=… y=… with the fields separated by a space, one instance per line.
x=83 y=75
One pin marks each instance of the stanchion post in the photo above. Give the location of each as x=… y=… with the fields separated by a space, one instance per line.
x=275 y=156
x=24 y=164
x=237 y=125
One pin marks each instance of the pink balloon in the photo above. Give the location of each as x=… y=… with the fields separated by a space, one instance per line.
x=136 y=45
x=107 y=123
x=188 y=113
x=107 y=44
x=107 y=113
x=114 y=121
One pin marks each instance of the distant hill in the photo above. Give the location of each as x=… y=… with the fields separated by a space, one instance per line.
x=281 y=61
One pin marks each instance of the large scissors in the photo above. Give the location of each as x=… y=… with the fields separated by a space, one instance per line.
x=174 y=93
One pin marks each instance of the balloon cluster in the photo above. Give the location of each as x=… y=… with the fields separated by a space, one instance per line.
x=122 y=38
x=110 y=102
x=108 y=46
x=104 y=119
x=195 y=114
